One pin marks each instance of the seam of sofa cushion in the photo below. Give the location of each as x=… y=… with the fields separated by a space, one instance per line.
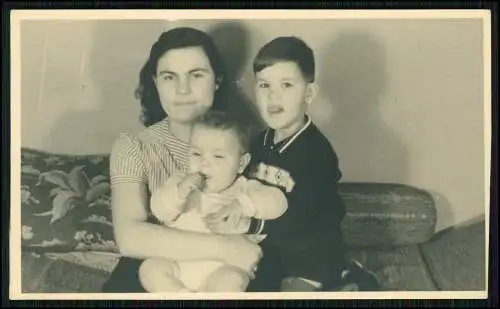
x=427 y=267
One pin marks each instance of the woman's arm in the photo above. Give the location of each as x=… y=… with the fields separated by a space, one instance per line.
x=140 y=239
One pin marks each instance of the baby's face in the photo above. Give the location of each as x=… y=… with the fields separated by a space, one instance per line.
x=216 y=154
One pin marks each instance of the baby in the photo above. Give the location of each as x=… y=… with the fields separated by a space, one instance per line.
x=213 y=186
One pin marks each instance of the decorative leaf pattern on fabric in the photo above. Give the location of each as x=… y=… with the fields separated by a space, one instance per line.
x=63 y=203
x=97 y=191
x=61 y=196
x=59 y=178
x=78 y=180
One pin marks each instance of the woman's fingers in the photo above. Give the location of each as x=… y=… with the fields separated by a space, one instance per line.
x=218 y=216
x=236 y=220
x=217 y=226
x=215 y=221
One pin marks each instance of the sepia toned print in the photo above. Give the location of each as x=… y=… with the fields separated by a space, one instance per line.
x=375 y=154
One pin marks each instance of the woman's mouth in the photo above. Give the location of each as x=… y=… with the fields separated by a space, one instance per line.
x=184 y=103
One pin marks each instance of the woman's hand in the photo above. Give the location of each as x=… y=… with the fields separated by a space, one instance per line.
x=227 y=219
x=239 y=251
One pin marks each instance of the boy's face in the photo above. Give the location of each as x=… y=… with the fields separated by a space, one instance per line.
x=216 y=154
x=282 y=94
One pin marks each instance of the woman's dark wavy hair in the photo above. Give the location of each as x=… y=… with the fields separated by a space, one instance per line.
x=181 y=37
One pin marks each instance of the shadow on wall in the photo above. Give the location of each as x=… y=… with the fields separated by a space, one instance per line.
x=354 y=80
x=116 y=53
x=232 y=40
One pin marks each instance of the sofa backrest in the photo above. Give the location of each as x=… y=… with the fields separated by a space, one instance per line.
x=65 y=206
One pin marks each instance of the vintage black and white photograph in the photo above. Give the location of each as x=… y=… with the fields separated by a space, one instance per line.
x=250 y=154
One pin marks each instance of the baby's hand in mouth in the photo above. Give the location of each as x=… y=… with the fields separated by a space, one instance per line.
x=202 y=181
x=190 y=183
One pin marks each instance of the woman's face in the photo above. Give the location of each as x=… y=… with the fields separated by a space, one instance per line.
x=186 y=83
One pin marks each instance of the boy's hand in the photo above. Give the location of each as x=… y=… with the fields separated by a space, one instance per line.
x=230 y=215
x=190 y=183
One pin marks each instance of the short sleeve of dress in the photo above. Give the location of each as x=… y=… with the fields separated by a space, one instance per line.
x=127 y=161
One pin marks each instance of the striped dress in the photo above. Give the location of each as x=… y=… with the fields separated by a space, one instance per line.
x=148 y=157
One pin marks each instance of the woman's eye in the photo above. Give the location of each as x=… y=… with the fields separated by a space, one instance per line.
x=287 y=85
x=264 y=85
x=168 y=77
x=219 y=157
x=197 y=75
x=196 y=154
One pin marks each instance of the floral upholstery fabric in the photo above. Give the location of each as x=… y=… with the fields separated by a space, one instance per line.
x=65 y=202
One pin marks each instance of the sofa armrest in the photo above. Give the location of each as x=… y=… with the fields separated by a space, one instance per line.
x=456 y=257
x=386 y=214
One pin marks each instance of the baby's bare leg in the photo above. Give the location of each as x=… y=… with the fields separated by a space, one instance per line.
x=227 y=279
x=160 y=275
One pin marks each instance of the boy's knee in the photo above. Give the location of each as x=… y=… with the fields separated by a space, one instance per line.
x=227 y=279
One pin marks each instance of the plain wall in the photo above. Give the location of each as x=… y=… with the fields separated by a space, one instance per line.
x=401 y=100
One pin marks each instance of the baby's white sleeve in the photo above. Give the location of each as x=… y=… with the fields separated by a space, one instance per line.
x=166 y=205
x=262 y=201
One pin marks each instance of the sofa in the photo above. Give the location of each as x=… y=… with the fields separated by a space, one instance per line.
x=67 y=243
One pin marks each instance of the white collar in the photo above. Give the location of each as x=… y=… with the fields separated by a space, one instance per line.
x=290 y=141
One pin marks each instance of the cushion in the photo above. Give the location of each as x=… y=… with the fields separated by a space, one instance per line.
x=381 y=214
x=398 y=268
x=65 y=202
x=456 y=258
x=43 y=274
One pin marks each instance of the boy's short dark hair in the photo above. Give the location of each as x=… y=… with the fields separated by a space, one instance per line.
x=287 y=48
x=220 y=120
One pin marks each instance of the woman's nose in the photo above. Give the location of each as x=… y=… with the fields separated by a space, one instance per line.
x=184 y=86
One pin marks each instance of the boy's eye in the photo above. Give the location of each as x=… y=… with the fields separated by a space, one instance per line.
x=196 y=154
x=287 y=85
x=264 y=85
x=219 y=156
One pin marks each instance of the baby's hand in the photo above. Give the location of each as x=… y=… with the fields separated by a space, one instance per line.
x=256 y=238
x=190 y=183
x=229 y=216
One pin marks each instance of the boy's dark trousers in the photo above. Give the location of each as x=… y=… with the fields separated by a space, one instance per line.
x=319 y=264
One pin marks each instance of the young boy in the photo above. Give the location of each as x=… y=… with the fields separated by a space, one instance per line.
x=304 y=249
x=213 y=185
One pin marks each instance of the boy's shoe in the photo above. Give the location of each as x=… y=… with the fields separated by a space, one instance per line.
x=357 y=278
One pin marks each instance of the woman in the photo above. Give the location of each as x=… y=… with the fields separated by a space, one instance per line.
x=181 y=80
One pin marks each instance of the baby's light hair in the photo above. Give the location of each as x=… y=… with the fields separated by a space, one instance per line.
x=219 y=120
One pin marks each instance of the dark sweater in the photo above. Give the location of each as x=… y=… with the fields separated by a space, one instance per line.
x=306 y=168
